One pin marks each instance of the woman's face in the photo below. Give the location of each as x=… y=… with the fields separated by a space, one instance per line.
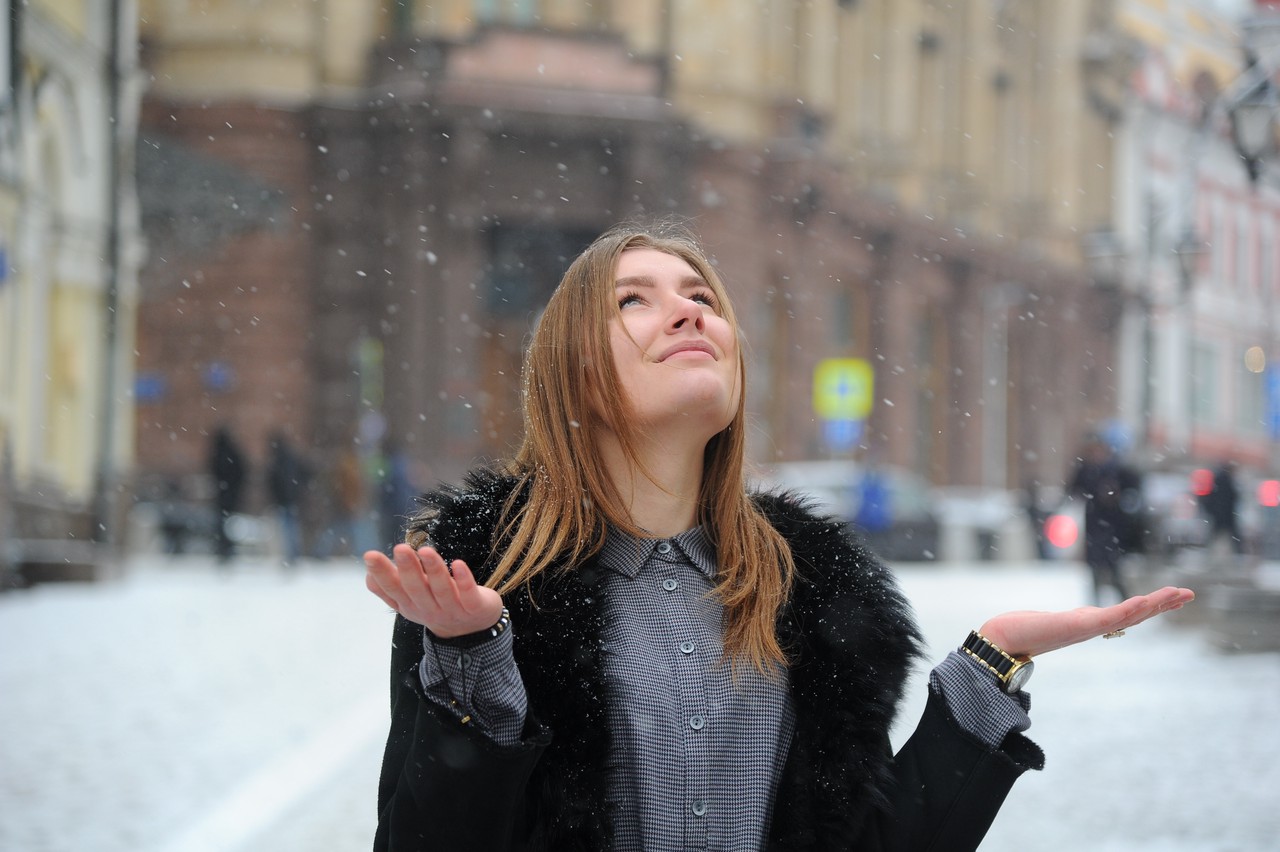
x=675 y=353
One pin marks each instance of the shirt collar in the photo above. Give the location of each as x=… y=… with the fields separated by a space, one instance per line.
x=626 y=554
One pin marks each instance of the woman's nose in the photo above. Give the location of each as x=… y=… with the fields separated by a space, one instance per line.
x=687 y=311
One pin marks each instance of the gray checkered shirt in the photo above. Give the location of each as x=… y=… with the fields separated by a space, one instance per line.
x=696 y=755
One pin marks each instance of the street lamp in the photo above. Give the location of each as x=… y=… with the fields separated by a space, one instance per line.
x=1253 y=126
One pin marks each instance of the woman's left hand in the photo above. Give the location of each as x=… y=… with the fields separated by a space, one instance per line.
x=1029 y=633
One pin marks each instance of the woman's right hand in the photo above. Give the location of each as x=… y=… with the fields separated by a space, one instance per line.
x=419 y=586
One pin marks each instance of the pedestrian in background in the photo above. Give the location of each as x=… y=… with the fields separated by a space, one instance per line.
x=347 y=503
x=395 y=494
x=1037 y=517
x=1111 y=491
x=1221 y=506
x=286 y=482
x=609 y=642
x=229 y=469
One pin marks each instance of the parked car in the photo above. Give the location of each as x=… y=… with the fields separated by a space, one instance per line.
x=891 y=507
x=1176 y=521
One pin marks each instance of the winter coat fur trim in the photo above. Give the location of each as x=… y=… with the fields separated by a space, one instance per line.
x=847 y=629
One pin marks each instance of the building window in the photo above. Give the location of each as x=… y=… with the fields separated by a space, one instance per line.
x=1244 y=250
x=926 y=357
x=525 y=265
x=523 y=12
x=1251 y=408
x=1204 y=383
x=1262 y=286
x=1218 y=244
x=842 y=317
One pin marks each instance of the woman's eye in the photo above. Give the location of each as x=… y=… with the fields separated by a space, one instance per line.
x=629 y=299
x=707 y=299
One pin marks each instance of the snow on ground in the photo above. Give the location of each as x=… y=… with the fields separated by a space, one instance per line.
x=179 y=709
x=1153 y=741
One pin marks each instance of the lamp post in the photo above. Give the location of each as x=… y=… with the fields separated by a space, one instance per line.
x=1254 y=112
x=1253 y=106
x=1253 y=126
x=1253 y=132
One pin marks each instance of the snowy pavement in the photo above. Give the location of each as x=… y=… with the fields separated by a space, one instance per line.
x=179 y=710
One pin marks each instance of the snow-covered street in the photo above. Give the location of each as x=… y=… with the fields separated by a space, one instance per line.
x=178 y=708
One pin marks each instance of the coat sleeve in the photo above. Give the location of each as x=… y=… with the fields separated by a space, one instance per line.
x=445 y=786
x=947 y=786
x=853 y=640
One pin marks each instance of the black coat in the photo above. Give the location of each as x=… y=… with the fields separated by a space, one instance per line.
x=1112 y=492
x=851 y=639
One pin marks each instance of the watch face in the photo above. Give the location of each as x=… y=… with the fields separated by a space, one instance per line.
x=1020 y=677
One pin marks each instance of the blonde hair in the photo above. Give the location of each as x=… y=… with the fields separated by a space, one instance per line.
x=571 y=501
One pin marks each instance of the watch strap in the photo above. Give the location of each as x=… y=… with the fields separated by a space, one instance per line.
x=991 y=655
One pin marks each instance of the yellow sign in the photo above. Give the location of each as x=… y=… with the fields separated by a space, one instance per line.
x=842 y=388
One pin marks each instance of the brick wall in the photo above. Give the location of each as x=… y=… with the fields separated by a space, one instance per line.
x=225 y=315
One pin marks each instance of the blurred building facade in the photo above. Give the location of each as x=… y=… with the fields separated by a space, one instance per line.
x=69 y=250
x=355 y=209
x=1196 y=241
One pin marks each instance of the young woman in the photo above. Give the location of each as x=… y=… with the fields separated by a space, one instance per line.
x=610 y=643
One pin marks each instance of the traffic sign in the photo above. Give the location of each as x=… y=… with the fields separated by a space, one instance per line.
x=841 y=435
x=842 y=388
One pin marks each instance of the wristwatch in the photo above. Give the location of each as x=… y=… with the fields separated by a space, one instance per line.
x=1012 y=672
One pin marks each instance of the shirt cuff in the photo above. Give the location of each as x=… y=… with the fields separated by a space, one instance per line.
x=977 y=703
x=480 y=684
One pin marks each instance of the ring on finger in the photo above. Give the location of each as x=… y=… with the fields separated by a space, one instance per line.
x=1114 y=634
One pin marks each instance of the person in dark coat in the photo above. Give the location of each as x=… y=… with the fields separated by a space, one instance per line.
x=229 y=468
x=395 y=494
x=287 y=476
x=1111 y=491
x=1221 y=507
x=610 y=642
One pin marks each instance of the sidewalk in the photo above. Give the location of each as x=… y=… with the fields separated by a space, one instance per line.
x=184 y=709
x=181 y=709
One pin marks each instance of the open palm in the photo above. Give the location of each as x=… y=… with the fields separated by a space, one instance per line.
x=421 y=587
x=1030 y=633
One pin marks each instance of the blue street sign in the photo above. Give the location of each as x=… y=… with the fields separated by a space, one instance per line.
x=1273 y=402
x=150 y=386
x=218 y=376
x=842 y=435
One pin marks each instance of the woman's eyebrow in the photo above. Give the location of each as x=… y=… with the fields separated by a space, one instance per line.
x=646 y=281
x=634 y=281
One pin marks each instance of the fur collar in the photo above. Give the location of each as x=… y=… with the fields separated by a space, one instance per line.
x=847 y=629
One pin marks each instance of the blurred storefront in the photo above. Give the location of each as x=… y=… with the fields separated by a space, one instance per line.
x=69 y=250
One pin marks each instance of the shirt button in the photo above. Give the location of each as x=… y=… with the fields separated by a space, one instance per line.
x=697 y=723
x=664 y=547
x=686 y=647
x=699 y=808
x=670 y=584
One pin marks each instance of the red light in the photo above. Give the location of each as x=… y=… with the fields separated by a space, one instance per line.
x=1061 y=530
x=1269 y=492
x=1202 y=482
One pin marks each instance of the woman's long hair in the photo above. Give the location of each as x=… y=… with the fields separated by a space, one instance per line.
x=569 y=376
